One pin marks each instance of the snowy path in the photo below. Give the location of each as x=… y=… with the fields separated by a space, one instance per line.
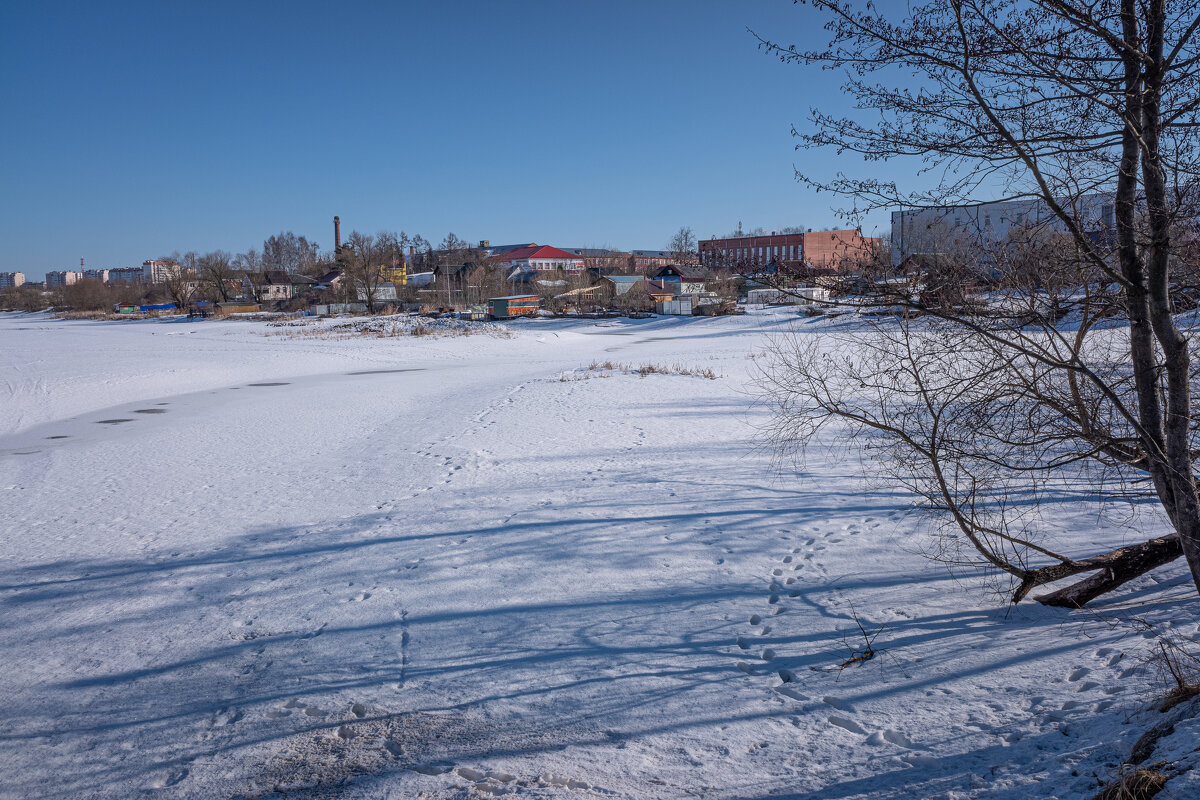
x=432 y=566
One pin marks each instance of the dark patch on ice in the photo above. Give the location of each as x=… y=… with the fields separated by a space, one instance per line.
x=60 y=436
x=162 y=404
x=279 y=383
x=150 y=411
x=25 y=452
x=386 y=371
x=113 y=421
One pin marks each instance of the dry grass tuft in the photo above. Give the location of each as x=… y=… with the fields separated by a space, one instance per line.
x=653 y=369
x=1139 y=784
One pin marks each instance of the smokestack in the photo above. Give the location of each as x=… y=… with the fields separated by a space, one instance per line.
x=337 y=234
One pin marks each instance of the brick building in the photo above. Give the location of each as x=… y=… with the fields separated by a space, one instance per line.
x=602 y=259
x=11 y=280
x=644 y=260
x=816 y=251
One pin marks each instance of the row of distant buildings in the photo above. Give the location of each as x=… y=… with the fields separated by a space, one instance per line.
x=822 y=252
x=531 y=256
x=149 y=272
x=802 y=253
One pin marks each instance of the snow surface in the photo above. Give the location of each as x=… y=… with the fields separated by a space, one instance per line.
x=241 y=559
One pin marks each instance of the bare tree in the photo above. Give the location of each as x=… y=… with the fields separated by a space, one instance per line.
x=179 y=281
x=1051 y=100
x=217 y=273
x=363 y=258
x=293 y=254
x=683 y=246
x=86 y=295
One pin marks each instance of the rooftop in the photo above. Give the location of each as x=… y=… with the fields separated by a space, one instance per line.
x=535 y=251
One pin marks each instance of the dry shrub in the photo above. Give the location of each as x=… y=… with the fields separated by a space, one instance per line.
x=389 y=327
x=92 y=315
x=1178 y=671
x=1139 y=784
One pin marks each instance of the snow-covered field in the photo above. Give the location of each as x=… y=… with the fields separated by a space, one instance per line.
x=241 y=560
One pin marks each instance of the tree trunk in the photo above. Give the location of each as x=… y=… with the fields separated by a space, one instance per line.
x=1116 y=568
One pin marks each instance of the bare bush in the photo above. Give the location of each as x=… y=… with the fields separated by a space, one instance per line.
x=1177 y=665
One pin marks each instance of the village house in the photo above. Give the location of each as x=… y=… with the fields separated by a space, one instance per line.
x=685 y=279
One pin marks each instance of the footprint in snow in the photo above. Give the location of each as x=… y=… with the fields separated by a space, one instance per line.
x=848 y=724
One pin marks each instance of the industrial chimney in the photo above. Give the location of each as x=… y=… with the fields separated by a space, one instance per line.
x=337 y=235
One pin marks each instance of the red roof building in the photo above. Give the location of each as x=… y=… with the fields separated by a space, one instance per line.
x=541 y=258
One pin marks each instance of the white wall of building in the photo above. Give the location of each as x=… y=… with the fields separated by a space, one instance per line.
x=984 y=226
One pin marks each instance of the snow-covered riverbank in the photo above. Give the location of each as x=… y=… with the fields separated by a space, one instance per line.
x=236 y=562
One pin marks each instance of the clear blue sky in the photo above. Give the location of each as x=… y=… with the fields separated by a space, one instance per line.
x=133 y=129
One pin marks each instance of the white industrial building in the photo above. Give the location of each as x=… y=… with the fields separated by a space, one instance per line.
x=986 y=226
